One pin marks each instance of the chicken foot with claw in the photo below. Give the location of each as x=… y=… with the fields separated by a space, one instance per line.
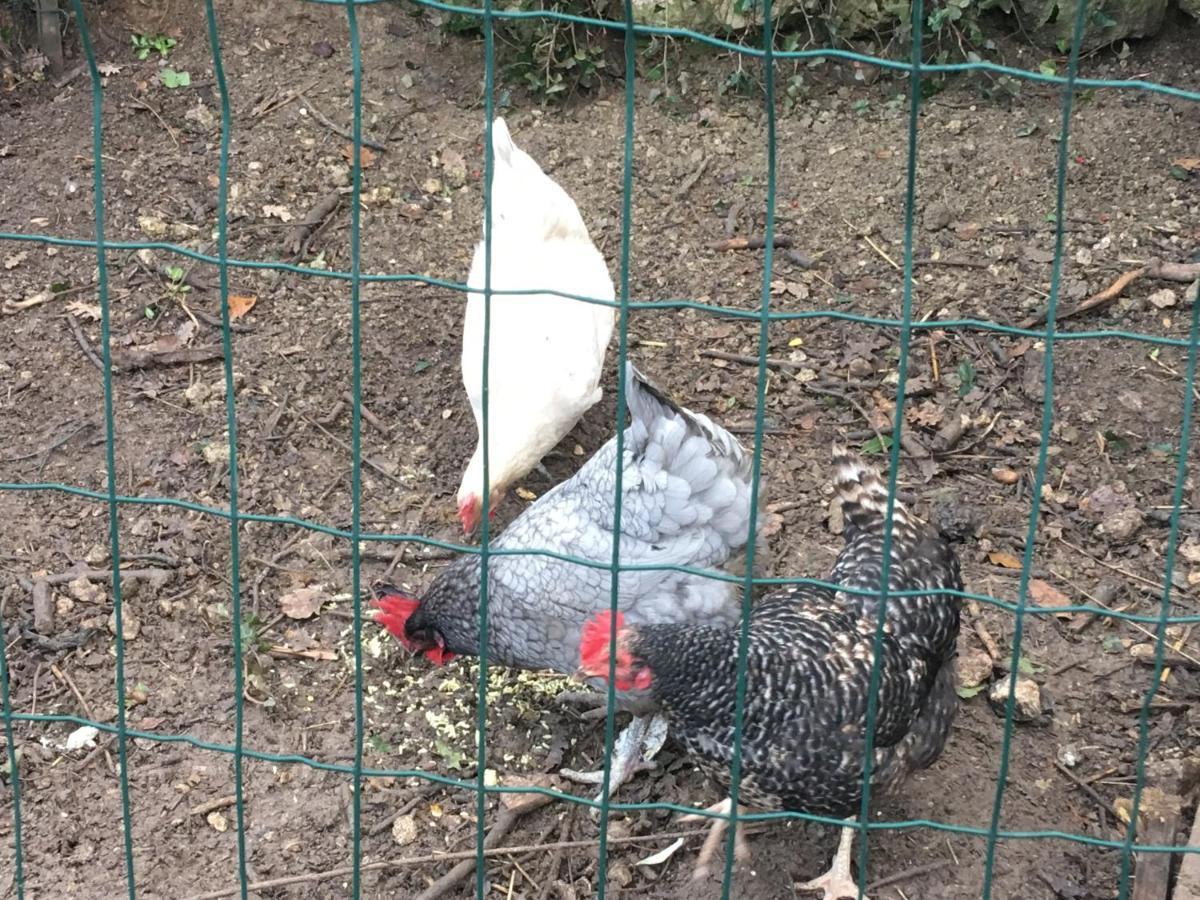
x=633 y=752
x=741 y=849
x=837 y=883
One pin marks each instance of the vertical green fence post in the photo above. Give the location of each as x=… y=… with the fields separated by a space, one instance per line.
x=760 y=412
x=489 y=175
x=110 y=463
x=356 y=442
x=1060 y=213
x=214 y=41
x=14 y=769
x=619 y=475
x=893 y=475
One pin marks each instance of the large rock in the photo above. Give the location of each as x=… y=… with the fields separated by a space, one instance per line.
x=1050 y=22
x=846 y=18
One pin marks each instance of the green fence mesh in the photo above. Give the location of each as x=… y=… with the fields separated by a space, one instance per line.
x=905 y=326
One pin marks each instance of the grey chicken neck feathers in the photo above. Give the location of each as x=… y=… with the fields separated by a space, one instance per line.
x=685 y=502
x=809 y=661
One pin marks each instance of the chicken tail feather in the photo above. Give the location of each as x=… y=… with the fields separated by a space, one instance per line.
x=502 y=142
x=863 y=492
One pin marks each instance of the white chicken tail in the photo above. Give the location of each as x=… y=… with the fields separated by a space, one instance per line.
x=527 y=204
x=863 y=492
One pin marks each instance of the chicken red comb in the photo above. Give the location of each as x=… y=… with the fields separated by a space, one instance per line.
x=393 y=611
x=594 y=641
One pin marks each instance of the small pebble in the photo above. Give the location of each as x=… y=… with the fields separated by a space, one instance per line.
x=1028 y=706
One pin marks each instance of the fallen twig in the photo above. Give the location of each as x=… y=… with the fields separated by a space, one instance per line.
x=84 y=706
x=960 y=263
x=303 y=229
x=366 y=459
x=384 y=824
x=985 y=636
x=215 y=321
x=908 y=874
x=278 y=102
x=1086 y=789
x=1146 y=581
x=344 y=133
x=313 y=877
x=203 y=809
x=508 y=817
x=127 y=360
x=142 y=104
x=773 y=362
x=97 y=575
x=750 y=243
x=82 y=341
x=858 y=407
x=52 y=446
x=690 y=182
x=1155 y=268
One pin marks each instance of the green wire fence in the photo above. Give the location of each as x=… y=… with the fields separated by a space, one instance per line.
x=905 y=326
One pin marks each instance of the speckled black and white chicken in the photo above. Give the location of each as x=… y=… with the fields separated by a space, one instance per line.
x=810 y=656
x=686 y=491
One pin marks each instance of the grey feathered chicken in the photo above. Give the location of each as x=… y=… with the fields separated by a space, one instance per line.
x=810 y=656
x=685 y=502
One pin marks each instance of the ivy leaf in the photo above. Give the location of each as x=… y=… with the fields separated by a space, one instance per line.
x=966 y=377
x=875 y=445
x=172 y=79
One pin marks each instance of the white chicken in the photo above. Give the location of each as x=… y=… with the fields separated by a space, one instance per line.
x=546 y=352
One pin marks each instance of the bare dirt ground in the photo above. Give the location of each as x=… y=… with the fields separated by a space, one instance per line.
x=985 y=188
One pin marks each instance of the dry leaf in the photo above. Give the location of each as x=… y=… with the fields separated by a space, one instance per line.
x=1191 y=163
x=311 y=653
x=526 y=494
x=1045 y=594
x=108 y=69
x=85 y=310
x=301 y=603
x=366 y=157
x=16 y=259
x=240 y=304
x=277 y=211
x=1007 y=560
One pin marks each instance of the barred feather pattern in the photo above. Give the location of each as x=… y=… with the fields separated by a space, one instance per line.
x=686 y=502
x=810 y=655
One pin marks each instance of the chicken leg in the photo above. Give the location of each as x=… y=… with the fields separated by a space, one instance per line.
x=633 y=752
x=837 y=883
x=741 y=849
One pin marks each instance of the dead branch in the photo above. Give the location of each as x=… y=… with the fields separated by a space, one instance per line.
x=773 y=362
x=319 y=212
x=127 y=360
x=751 y=243
x=341 y=871
x=1155 y=268
x=509 y=815
x=82 y=341
x=341 y=132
